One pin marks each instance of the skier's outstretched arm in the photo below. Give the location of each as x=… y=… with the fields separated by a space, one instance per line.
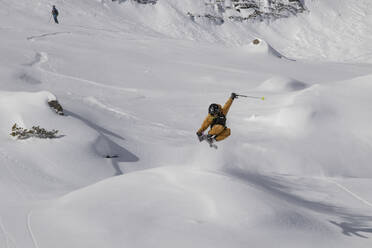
x=227 y=106
x=205 y=124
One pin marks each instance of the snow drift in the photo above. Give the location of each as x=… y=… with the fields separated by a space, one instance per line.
x=259 y=46
x=281 y=84
x=323 y=135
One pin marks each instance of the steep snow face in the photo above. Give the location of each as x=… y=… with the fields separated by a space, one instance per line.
x=339 y=31
x=326 y=31
x=260 y=10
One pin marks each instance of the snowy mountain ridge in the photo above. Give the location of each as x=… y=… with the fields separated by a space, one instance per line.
x=322 y=32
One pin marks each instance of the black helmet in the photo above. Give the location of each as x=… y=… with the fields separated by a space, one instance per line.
x=214 y=109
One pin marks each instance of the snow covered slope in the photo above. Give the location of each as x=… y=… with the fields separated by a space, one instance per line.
x=327 y=31
x=135 y=82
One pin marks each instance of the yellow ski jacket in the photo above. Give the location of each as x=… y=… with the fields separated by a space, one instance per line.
x=209 y=119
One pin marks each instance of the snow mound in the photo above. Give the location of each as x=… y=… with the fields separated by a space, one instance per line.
x=282 y=84
x=181 y=208
x=260 y=46
x=77 y=139
x=303 y=112
x=25 y=108
x=325 y=135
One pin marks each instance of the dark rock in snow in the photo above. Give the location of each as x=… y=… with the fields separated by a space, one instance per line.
x=139 y=1
x=54 y=104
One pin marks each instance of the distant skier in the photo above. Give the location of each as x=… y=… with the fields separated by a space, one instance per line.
x=55 y=14
x=216 y=119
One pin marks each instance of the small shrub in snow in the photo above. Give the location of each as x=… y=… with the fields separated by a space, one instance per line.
x=35 y=131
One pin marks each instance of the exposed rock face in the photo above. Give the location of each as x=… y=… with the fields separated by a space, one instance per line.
x=217 y=11
x=215 y=19
x=139 y=1
x=54 y=104
x=256 y=10
x=146 y=1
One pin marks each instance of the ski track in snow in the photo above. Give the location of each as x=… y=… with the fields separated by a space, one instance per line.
x=42 y=57
x=7 y=236
x=19 y=189
x=35 y=37
x=4 y=233
x=22 y=191
x=356 y=196
x=94 y=101
x=218 y=68
x=29 y=227
x=94 y=83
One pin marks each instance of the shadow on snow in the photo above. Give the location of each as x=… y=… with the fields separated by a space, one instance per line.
x=354 y=223
x=351 y=229
x=106 y=147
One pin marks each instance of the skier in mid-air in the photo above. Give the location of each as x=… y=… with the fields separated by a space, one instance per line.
x=216 y=119
x=55 y=14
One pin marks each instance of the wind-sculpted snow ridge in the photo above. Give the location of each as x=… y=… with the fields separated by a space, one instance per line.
x=281 y=84
x=327 y=32
x=319 y=129
x=184 y=208
x=259 y=46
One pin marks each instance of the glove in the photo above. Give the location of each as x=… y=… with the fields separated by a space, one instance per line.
x=233 y=95
x=199 y=134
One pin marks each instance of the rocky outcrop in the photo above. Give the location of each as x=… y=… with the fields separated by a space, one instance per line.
x=215 y=19
x=217 y=11
x=146 y=1
x=54 y=104
x=138 y=1
x=255 y=10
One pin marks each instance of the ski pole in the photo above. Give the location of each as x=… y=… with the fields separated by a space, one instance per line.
x=254 y=97
x=50 y=18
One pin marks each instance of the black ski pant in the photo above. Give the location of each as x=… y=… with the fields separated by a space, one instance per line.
x=55 y=19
